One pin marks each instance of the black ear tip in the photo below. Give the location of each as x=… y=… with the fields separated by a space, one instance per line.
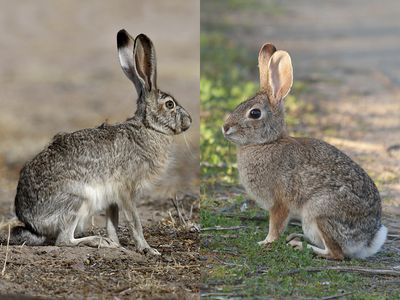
x=143 y=38
x=122 y=38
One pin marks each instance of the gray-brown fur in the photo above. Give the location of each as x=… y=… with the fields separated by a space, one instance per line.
x=102 y=168
x=337 y=202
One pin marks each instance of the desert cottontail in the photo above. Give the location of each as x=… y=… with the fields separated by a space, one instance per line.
x=102 y=168
x=302 y=178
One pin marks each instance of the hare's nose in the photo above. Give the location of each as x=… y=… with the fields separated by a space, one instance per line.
x=225 y=128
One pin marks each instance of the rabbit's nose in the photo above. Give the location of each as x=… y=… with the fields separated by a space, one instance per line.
x=228 y=129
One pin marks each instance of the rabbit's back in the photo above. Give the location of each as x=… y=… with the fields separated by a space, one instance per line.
x=301 y=169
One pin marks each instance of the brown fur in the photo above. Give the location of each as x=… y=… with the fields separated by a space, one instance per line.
x=335 y=251
x=302 y=178
x=278 y=220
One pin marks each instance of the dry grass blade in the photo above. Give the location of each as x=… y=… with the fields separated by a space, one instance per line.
x=3 y=271
x=219 y=228
x=13 y=223
x=361 y=270
x=178 y=210
x=339 y=296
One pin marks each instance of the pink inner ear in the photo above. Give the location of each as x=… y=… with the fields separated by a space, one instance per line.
x=280 y=76
x=275 y=81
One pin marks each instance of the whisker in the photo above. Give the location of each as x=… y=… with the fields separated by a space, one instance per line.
x=188 y=146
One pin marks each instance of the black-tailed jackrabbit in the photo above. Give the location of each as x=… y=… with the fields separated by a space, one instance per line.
x=302 y=178
x=102 y=168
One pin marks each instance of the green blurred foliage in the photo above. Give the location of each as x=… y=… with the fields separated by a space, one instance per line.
x=226 y=72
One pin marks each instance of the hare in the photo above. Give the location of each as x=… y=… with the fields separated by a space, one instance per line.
x=302 y=178
x=104 y=168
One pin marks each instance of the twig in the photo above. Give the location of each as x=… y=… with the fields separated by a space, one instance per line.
x=245 y=218
x=172 y=218
x=393 y=236
x=366 y=271
x=335 y=296
x=125 y=291
x=219 y=228
x=8 y=243
x=227 y=263
x=181 y=218
x=256 y=218
x=227 y=251
x=191 y=212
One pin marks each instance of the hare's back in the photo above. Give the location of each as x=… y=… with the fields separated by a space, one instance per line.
x=81 y=156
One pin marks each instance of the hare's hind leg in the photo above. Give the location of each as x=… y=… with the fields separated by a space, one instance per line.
x=66 y=236
x=112 y=215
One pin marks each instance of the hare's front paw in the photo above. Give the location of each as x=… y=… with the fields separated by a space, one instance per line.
x=151 y=251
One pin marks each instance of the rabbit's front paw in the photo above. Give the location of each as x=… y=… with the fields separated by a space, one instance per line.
x=267 y=245
x=268 y=241
x=264 y=243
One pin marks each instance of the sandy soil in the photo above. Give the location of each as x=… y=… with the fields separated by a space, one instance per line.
x=59 y=71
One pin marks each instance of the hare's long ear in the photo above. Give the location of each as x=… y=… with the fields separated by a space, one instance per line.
x=280 y=76
x=264 y=56
x=126 y=44
x=145 y=62
x=138 y=60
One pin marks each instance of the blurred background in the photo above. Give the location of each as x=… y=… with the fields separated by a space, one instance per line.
x=346 y=91
x=59 y=71
x=346 y=63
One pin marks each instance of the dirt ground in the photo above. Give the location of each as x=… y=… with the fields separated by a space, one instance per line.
x=59 y=71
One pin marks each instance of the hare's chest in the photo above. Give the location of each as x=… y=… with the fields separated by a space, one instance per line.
x=256 y=179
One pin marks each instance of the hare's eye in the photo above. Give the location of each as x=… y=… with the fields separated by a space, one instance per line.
x=255 y=113
x=170 y=104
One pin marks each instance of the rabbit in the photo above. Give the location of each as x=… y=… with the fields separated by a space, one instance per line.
x=302 y=178
x=103 y=168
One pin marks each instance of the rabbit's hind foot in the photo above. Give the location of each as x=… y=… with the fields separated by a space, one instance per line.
x=295 y=235
x=297 y=244
x=331 y=249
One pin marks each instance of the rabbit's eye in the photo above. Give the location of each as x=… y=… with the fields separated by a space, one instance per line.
x=255 y=113
x=170 y=104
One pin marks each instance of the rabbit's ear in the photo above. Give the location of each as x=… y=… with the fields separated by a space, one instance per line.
x=126 y=44
x=145 y=62
x=264 y=56
x=280 y=76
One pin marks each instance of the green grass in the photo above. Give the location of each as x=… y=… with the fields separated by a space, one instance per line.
x=241 y=267
x=236 y=266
